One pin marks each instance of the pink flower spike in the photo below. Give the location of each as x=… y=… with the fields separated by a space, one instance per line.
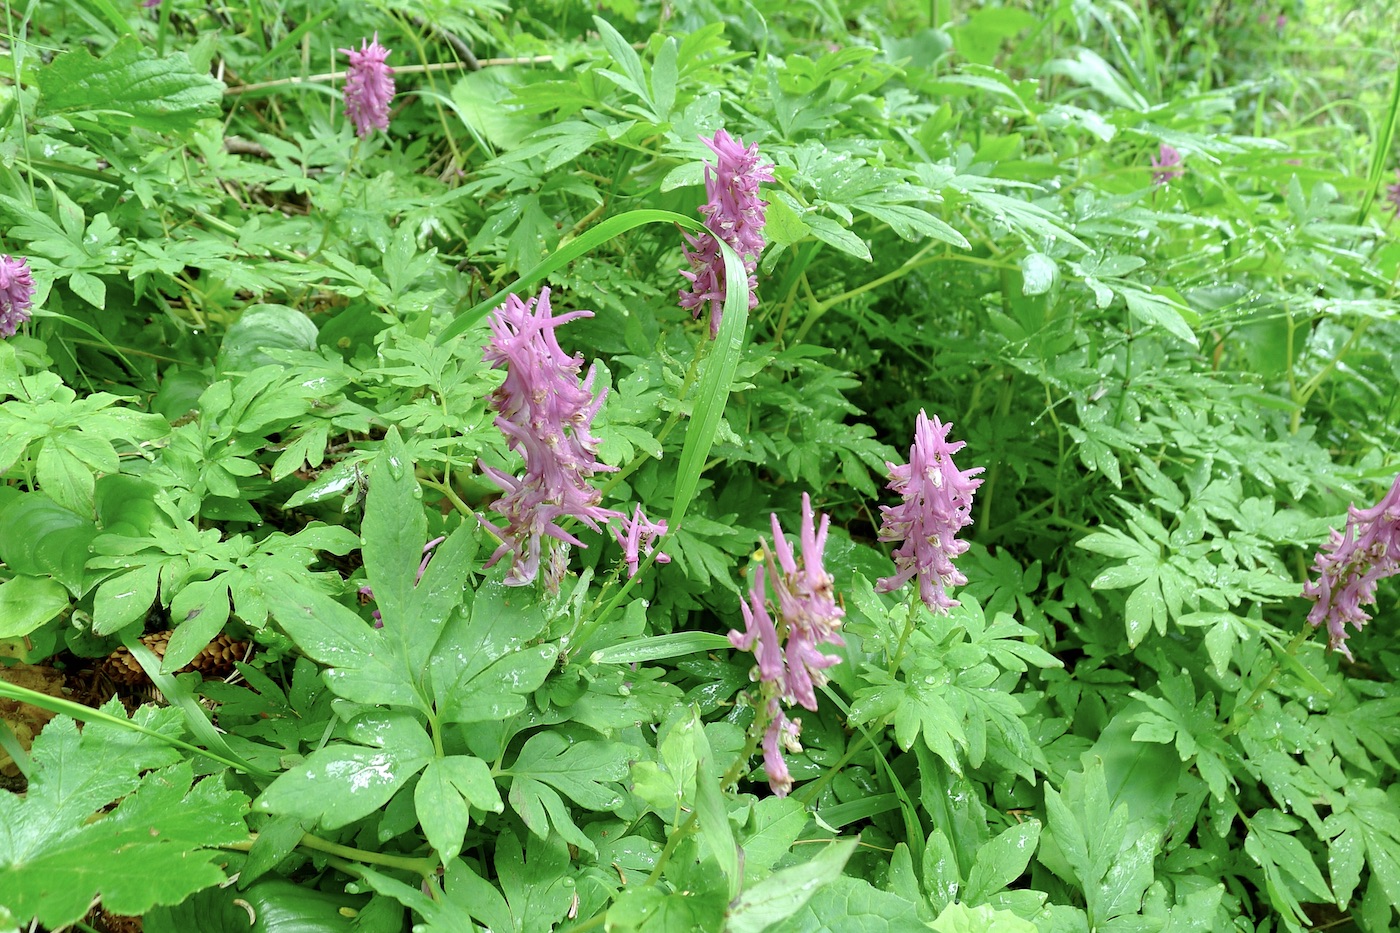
x=760 y=635
x=545 y=413
x=639 y=540
x=781 y=734
x=16 y=294
x=733 y=212
x=1349 y=566
x=369 y=86
x=937 y=505
x=1166 y=165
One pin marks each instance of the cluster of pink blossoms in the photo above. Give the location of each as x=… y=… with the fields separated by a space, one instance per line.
x=369 y=86
x=16 y=294
x=790 y=665
x=937 y=505
x=735 y=213
x=1392 y=193
x=546 y=414
x=1351 y=563
x=1166 y=165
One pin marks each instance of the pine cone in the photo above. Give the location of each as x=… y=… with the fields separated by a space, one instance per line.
x=215 y=660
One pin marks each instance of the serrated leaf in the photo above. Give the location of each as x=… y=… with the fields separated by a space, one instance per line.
x=852 y=905
x=56 y=854
x=130 y=86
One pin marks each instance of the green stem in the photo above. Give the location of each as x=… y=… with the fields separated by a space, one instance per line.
x=420 y=866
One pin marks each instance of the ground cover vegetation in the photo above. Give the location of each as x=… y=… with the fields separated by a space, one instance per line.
x=699 y=466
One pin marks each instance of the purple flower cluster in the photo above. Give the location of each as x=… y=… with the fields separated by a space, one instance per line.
x=735 y=213
x=16 y=294
x=937 y=505
x=1350 y=564
x=789 y=664
x=1166 y=166
x=369 y=86
x=637 y=537
x=545 y=413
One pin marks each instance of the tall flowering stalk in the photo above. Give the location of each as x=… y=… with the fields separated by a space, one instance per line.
x=735 y=213
x=789 y=665
x=369 y=86
x=1349 y=566
x=1166 y=165
x=937 y=505
x=16 y=294
x=546 y=414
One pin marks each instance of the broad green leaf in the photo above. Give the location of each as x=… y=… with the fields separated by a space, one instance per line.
x=1002 y=861
x=56 y=852
x=125 y=599
x=129 y=87
x=360 y=665
x=716 y=835
x=339 y=784
x=482 y=666
x=774 y=825
x=782 y=894
x=960 y=918
x=261 y=328
x=851 y=905
x=27 y=603
x=198 y=612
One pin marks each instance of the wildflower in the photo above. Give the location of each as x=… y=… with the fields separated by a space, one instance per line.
x=369 y=85
x=545 y=413
x=735 y=213
x=937 y=505
x=16 y=294
x=1166 y=166
x=1350 y=564
x=1392 y=193
x=639 y=540
x=789 y=665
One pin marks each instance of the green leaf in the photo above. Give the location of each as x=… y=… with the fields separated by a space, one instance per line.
x=1038 y=274
x=27 y=603
x=832 y=233
x=1002 y=861
x=261 y=328
x=394 y=531
x=660 y=647
x=960 y=918
x=548 y=761
x=851 y=905
x=360 y=665
x=124 y=599
x=198 y=612
x=784 y=893
x=44 y=538
x=774 y=825
x=715 y=832
x=632 y=78
x=57 y=851
x=339 y=784
x=481 y=668
x=130 y=87
x=277 y=906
